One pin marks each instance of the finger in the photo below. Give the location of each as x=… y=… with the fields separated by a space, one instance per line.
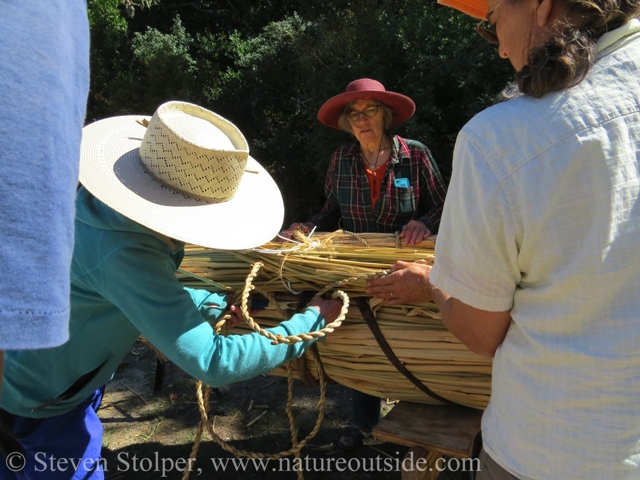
x=421 y=233
x=393 y=301
x=232 y=322
x=379 y=291
x=409 y=239
x=381 y=281
x=399 y=265
x=381 y=295
x=415 y=236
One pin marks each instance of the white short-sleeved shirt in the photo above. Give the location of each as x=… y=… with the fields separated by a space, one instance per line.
x=543 y=218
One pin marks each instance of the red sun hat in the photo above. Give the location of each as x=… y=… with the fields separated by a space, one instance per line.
x=401 y=105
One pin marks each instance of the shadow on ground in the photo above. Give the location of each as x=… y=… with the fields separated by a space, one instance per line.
x=150 y=435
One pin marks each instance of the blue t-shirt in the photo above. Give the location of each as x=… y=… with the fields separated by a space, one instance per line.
x=44 y=83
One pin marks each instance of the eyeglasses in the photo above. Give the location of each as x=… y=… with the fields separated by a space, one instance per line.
x=367 y=112
x=488 y=32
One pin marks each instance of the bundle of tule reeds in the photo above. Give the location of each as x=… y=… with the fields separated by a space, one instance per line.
x=350 y=355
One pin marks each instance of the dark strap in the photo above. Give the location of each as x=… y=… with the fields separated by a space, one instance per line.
x=363 y=305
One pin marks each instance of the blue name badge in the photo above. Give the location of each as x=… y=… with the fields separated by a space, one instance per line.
x=401 y=182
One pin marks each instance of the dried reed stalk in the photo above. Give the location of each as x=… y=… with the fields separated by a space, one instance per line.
x=350 y=355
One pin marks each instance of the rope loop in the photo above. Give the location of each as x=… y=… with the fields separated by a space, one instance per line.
x=289 y=339
x=203 y=407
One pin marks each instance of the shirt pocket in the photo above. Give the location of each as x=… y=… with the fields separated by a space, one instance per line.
x=402 y=200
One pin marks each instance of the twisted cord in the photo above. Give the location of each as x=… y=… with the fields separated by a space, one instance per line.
x=356 y=236
x=289 y=339
x=203 y=407
x=293 y=428
x=204 y=411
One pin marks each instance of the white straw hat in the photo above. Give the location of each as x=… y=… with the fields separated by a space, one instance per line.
x=187 y=175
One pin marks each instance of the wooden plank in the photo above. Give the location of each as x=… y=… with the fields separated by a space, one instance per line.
x=449 y=430
x=418 y=468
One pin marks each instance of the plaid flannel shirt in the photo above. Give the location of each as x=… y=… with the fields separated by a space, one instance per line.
x=348 y=203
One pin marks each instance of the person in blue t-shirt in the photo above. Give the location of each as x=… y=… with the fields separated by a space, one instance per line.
x=44 y=83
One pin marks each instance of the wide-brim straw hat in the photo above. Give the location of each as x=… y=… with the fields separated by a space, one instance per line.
x=185 y=173
x=475 y=8
x=364 y=88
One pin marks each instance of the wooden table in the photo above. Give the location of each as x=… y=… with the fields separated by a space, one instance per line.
x=453 y=431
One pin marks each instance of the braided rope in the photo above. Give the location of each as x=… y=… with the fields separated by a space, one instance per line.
x=289 y=339
x=356 y=236
x=346 y=281
x=204 y=412
x=203 y=402
x=221 y=324
x=203 y=407
x=293 y=428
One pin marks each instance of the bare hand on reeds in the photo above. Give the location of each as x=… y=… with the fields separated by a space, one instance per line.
x=407 y=283
x=329 y=309
x=414 y=232
x=303 y=227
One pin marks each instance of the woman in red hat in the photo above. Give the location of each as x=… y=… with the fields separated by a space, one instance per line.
x=379 y=183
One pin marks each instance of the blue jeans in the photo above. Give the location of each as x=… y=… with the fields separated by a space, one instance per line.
x=366 y=410
x=64 y=447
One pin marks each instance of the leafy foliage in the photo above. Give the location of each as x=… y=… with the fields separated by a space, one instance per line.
x=269 y=65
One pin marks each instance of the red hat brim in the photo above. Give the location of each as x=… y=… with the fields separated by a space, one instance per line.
x=401 y=105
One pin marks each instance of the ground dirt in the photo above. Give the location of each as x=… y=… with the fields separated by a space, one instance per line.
x=149 y=435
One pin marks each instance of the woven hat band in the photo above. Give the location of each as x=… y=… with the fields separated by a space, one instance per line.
x=194 y=151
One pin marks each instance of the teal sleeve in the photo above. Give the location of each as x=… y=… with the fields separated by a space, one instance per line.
x=210 y=305
x=141 y=282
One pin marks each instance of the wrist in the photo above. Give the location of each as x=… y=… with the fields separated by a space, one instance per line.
x=437 y=296
x=426 y=222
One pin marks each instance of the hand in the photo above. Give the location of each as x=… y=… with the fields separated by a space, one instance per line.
x=303 y=227
x=407 y=283
x=236 y=316
x=414 y=232
x=329 y=309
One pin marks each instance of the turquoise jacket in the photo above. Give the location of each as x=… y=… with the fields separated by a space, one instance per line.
x=123 y=284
